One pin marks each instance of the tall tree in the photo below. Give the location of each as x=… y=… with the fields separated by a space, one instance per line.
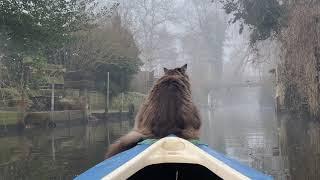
x=148 y=20
x=205 y=24
x=108 y=48
x=33 y=30
x=295 y=26
x=264 y=18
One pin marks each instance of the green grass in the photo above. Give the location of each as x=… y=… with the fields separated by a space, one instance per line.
x=130 y=97
x=9 y=117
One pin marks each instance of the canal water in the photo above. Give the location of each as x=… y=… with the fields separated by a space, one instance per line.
x=287 y=146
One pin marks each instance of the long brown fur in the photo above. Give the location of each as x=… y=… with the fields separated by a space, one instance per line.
x=167 y=110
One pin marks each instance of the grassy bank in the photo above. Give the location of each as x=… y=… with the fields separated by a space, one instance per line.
x=128 y=98
x=9 y=117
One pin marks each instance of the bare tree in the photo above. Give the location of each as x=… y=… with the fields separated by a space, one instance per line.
x=205 y=24
x=148 y=20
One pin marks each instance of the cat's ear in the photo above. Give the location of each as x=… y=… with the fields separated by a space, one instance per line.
x=184 y=68
x=165 y=70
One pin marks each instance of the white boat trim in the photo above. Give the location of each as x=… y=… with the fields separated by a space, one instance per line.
x=174 y=150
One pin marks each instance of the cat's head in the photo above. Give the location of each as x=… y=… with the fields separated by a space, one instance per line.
x=176 y=71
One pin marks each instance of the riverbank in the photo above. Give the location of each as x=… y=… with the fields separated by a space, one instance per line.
x=9 y=117
x=46 y=119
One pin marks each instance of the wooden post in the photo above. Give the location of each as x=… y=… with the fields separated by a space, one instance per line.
x=108 y=86
x=52 y=102
x=53 y=149
x=122 y=101
x=69 y=116
x=106 y=109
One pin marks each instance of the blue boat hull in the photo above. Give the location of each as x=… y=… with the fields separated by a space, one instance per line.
x=184 y=168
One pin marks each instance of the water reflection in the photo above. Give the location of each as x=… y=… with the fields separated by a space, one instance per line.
x=61 y=153
x=300 y=147
x=245 y=133
x=287 y=147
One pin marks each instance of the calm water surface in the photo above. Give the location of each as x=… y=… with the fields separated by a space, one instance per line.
x=61 y=153
x=287 y=147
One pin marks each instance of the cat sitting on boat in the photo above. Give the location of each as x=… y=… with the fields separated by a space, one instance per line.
x=168 y=109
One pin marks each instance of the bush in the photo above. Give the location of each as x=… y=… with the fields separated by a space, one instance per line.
x=8 y=96
x=134 y=98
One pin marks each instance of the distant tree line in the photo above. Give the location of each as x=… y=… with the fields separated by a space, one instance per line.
x=82 y=35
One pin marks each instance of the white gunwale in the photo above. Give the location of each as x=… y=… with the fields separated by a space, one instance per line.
x=174 y=150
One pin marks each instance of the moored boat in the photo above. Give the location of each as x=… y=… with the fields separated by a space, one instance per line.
x=171 y=158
